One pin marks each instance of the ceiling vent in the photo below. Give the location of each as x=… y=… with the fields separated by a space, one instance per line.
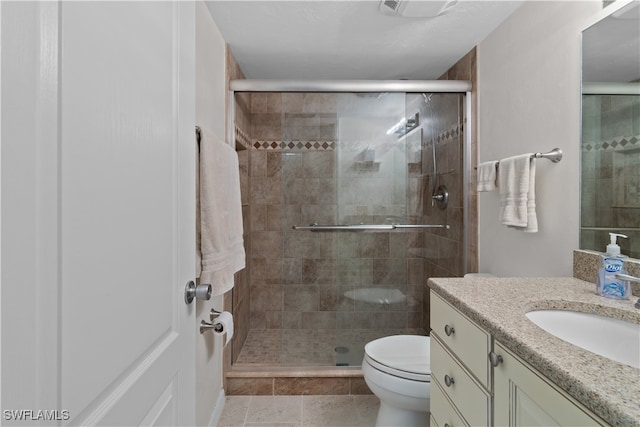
x=393 y=5
x=416 y=8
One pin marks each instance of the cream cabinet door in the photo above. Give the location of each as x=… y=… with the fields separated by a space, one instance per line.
x=524 y=398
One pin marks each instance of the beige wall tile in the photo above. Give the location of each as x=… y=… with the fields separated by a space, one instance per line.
x=249 y=386
x=311 y=386
x=359 y=386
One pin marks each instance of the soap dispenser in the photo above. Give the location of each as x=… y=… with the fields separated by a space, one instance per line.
x=612 y=263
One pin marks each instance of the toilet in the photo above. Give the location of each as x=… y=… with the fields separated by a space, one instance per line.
x=478 y=275
x=397 y=370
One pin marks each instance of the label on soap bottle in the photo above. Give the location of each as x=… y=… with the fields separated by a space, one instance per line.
x=610 y=286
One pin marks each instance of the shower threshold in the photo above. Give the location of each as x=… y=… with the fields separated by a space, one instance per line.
x=295 y=381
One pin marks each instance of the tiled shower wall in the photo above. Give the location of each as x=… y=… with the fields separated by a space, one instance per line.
x=611 y=172
x=300 y=277
x=450 y=242
x=295 y=276
x=237 y=301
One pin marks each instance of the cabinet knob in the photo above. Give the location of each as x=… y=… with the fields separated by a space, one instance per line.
x=449 y=330
x=495 y=359
x=448 y=380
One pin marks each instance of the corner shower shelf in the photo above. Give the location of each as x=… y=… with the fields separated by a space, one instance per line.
x=367 y=166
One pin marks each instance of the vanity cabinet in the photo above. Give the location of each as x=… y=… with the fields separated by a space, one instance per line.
x=460 y=372
x=446 y=413
x=523 y=397
x=466 y=389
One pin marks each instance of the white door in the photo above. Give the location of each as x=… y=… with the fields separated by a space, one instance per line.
x=98 y=199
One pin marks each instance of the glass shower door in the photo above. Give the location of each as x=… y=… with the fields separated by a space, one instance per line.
x=364 y=160
x=372 y=189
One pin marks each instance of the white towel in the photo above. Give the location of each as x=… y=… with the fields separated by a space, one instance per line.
x=516 y=180
x=221 y=245
x=487 y=176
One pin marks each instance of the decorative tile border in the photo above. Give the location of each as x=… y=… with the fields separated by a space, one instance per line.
x=454 y=132
x=451 y=133
x=620 y=142
x=294 y=145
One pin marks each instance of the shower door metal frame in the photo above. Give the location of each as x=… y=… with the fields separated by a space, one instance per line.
x=414 y=86
x=407 y=86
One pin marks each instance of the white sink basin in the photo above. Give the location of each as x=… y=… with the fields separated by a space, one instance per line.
x=612 y=338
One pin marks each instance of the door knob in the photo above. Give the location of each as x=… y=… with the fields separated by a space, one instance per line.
x=191 y=292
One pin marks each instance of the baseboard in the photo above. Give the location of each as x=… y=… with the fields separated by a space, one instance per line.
x=217 y=411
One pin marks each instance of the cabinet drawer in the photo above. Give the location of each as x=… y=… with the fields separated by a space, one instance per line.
x=468 y=341
x=442 y=412
x=470 y=399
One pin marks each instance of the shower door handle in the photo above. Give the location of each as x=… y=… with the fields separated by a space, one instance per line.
x=355 y=227
x=366 y=227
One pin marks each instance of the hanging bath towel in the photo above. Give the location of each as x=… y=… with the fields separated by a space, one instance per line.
x=516 y=181
x=487 y=176
x=221 y=245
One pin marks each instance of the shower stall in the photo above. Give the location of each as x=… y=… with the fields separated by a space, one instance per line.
x=353 y=196
x=610 y=165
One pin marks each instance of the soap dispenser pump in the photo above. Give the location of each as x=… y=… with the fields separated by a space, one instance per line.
x=612 y=248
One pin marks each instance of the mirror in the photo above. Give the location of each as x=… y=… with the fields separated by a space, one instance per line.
x=610 y=151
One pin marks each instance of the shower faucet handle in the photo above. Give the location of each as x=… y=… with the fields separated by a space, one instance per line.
x=441 y=197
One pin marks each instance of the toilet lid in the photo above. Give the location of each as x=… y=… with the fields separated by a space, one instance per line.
x=407 y=355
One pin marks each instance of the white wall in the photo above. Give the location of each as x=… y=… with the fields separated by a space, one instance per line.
x=529 y=101
x=210 y=114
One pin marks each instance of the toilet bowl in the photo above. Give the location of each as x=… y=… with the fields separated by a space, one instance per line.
x=397 y=370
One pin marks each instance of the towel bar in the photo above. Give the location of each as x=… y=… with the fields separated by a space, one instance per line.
x=554 y=155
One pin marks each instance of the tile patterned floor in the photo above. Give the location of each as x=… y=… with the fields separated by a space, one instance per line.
x=316 y=347
x=299 y=411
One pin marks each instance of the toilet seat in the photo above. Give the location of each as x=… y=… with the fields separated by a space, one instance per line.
x=403 y=356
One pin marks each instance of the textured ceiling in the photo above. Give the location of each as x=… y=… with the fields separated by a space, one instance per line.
x=350 y=39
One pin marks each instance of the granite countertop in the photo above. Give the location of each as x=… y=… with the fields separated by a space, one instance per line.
x=610 y=389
